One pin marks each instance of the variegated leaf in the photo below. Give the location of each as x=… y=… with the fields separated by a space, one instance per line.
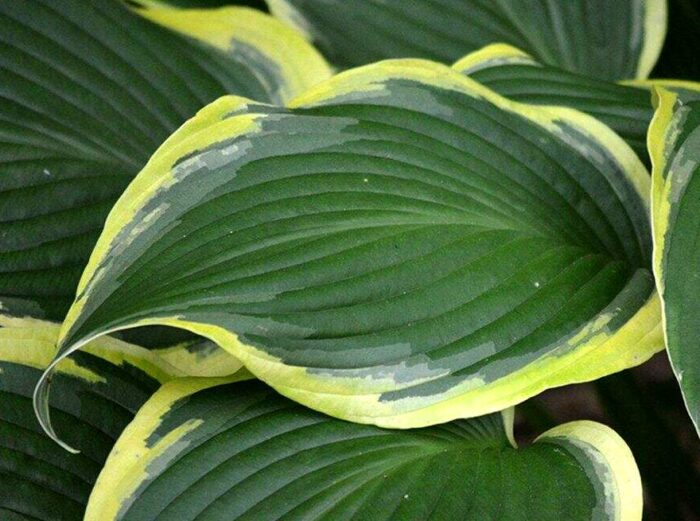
x=97 y=394
x=674 y=146
x=611 y=40
x=89 y=89
x=400 y=246
x=239 y=451
x=518 y=76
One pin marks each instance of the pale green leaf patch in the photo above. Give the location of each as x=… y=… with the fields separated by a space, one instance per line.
x=201 y=358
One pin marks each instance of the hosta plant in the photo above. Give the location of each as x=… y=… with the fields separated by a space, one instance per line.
x=312 y=259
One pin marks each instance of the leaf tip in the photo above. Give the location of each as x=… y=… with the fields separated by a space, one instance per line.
x=42 y=411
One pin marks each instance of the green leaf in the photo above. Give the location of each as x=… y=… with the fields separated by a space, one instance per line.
x=646 y=415
x=199 y=357
x=89 y=90
x=97 y=393
x=674 y=146
x=155 y=337
x=257 y=4
x=611 y=40
x=516 y=75
x=240 y=451
x=401 y=246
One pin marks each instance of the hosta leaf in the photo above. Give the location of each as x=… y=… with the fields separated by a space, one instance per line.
x=674 y=146
x=240 y=451
x=199 y=357
x=156 y=337
x=516 y=75
x=258 y=4
x=687 y=89
x=89 y=90
x=401 y=246
x=96 y=395
x=610 y=40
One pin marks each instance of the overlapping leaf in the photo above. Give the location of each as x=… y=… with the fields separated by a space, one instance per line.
x=401 y=246
x=674 y=145
x=97 y=394
x=611 y=40
x=199 y=357
x=257 y=4
x=89 y=90
x=516 y=75
x=240 y=451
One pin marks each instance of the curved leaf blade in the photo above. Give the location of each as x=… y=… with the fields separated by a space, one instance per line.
x=97 y=395
x=373 y=253
x=200 y=358
x=674 y=146
x=608 y=40
x=240 y=451
x=89 y=90
x=257 y=4
x=282 y=62
x=516 y=75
